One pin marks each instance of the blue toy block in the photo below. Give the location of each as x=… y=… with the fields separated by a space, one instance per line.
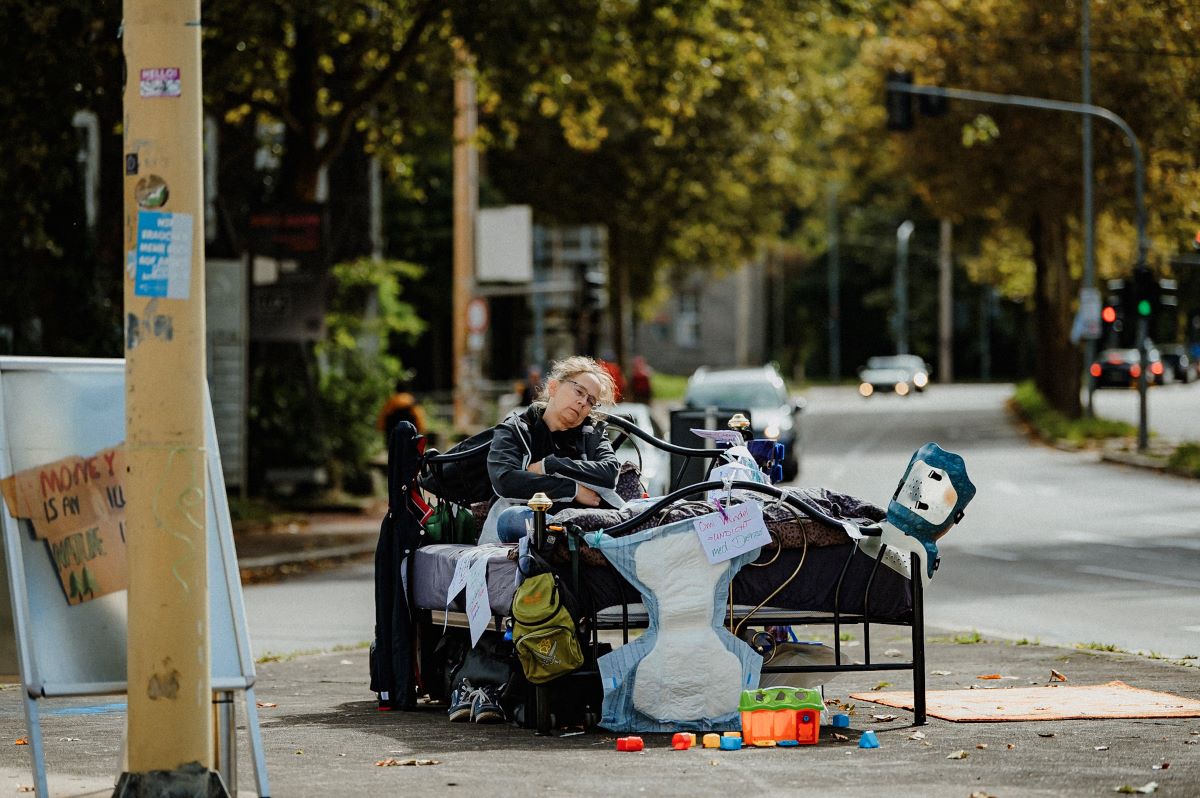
x=841 y=721
x=731 y=743
x=868 y=740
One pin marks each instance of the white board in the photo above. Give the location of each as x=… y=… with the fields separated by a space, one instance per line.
x=54 y=407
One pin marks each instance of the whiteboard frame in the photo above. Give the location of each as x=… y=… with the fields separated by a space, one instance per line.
x=232 y=660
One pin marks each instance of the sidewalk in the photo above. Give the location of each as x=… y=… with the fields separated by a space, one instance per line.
x=323 y=736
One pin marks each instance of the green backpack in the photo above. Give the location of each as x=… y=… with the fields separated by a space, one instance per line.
x=451 y=524
x=543 y=630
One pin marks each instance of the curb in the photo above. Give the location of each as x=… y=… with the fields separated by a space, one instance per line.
x=330 y=553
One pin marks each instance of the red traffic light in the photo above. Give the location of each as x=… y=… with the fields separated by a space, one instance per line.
x=1109 y=314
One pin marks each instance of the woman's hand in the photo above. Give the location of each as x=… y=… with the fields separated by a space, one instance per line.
x=587 y=497
x=536 y=468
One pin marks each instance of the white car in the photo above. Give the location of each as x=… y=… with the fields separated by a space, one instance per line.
x=655 y=464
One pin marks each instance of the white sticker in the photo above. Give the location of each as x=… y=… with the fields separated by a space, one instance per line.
x=160 y=82
x=733 y=531
x=479 y=607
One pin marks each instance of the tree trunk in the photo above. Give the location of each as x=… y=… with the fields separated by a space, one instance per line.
x=301 y=167
x=1056 y=360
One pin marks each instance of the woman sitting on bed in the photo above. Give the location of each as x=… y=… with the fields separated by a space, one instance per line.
x=556 y=447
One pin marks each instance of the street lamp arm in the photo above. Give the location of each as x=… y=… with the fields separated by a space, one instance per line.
x=1054 y=105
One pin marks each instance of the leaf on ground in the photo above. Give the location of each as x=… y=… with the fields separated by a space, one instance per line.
x=989 y=676
x=1011 y=746
x=1191 y=742
x=981 y=794
x=884 y=718
x=1045 y=734
x=981 y=746
x=68 y=739
x=917 y=735
x=20 y=741
x=1145 y=789
x=882 y=685
x=893 y=652
x=1102 y=748
x=941 y=673
x=841 y=738
x=392 y=762
x=958 y=755
x=1055 y=676
x=25 y=788
x=265 y=704
x=1163 y=766
x=299 y=752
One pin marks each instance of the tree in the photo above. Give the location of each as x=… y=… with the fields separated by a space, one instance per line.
x=1020 y=168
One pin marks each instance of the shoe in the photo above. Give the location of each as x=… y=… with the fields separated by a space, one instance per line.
x=460 y=710
x=485 y=705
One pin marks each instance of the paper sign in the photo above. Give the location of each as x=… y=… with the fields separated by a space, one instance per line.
x=77 y=505
x=737 y=530
x=164 y=255
x=478 y=606
x=721 y=435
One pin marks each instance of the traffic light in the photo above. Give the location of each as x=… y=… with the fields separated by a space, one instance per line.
x=1113 y=313
x=1145 y=292
x=899 y=104
x=933 y=105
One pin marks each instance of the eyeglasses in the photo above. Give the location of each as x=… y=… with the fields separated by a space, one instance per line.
x=581 y=394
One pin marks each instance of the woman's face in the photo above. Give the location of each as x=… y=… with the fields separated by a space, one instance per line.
x=570 y=401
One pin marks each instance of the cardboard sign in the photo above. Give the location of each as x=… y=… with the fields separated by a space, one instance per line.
x=77 y=505
x=732 y=531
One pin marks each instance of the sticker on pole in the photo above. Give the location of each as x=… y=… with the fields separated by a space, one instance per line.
x=164 y=255
x=160 y=82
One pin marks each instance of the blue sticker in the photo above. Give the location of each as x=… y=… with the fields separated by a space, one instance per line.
x=164 y=255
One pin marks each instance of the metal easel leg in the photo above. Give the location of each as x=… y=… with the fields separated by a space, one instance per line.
x=918 y=639
x=256 y=743
x=33 y=724
x=226 y=726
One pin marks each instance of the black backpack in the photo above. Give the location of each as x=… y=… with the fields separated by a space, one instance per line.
x=460 y=473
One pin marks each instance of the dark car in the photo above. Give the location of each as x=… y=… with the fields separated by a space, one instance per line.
x=1177 y=361
x=1123 y=367
x=762 y=391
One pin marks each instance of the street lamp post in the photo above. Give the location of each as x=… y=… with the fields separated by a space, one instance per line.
x=900 y=314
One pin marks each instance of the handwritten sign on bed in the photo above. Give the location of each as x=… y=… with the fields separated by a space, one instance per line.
x=479 y=607
x=736 y=530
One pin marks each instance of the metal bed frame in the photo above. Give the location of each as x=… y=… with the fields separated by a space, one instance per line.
x=625 y=620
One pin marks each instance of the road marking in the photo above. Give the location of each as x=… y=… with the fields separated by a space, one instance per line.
x=1190 y=628
x=995 y=554
x=1133 y=576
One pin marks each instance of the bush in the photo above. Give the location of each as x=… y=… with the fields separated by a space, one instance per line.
x=1185 y=460
x=1052 y=425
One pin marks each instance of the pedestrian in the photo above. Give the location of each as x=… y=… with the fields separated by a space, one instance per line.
x=609 y=364
x=533 y=382
x=639 y=380
x=555 y=446
x=400 y=406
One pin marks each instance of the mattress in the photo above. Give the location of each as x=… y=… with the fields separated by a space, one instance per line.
x=814 y=588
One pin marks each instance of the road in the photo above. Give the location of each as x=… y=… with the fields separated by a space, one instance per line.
x=1056 y=546
x=1172 y=411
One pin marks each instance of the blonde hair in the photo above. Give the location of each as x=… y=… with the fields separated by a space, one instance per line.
x=569 y=367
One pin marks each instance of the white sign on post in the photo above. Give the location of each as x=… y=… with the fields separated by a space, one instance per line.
x=731 y=531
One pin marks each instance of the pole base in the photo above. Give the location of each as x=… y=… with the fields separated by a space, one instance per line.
x=192 y=780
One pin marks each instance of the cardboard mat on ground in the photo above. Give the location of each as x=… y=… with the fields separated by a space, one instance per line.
x=1050 y=702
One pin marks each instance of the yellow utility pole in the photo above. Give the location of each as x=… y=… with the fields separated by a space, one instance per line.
x=169 y=674
x=466 y=199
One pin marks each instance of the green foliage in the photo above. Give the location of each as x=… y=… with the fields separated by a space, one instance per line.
x=968 y=638
x=669 y=387
x=1052 y=425
x=1185 y=459
x=356 y=371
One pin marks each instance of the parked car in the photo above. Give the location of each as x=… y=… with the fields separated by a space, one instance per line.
x=1123 y=367
x=762 y=391
x=654 y=463
x=1179 y=363
x=899 y=374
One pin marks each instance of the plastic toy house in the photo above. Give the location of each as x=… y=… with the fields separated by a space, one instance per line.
x=781 y=713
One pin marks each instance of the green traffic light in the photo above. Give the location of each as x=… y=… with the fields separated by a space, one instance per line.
x=1144 y=307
